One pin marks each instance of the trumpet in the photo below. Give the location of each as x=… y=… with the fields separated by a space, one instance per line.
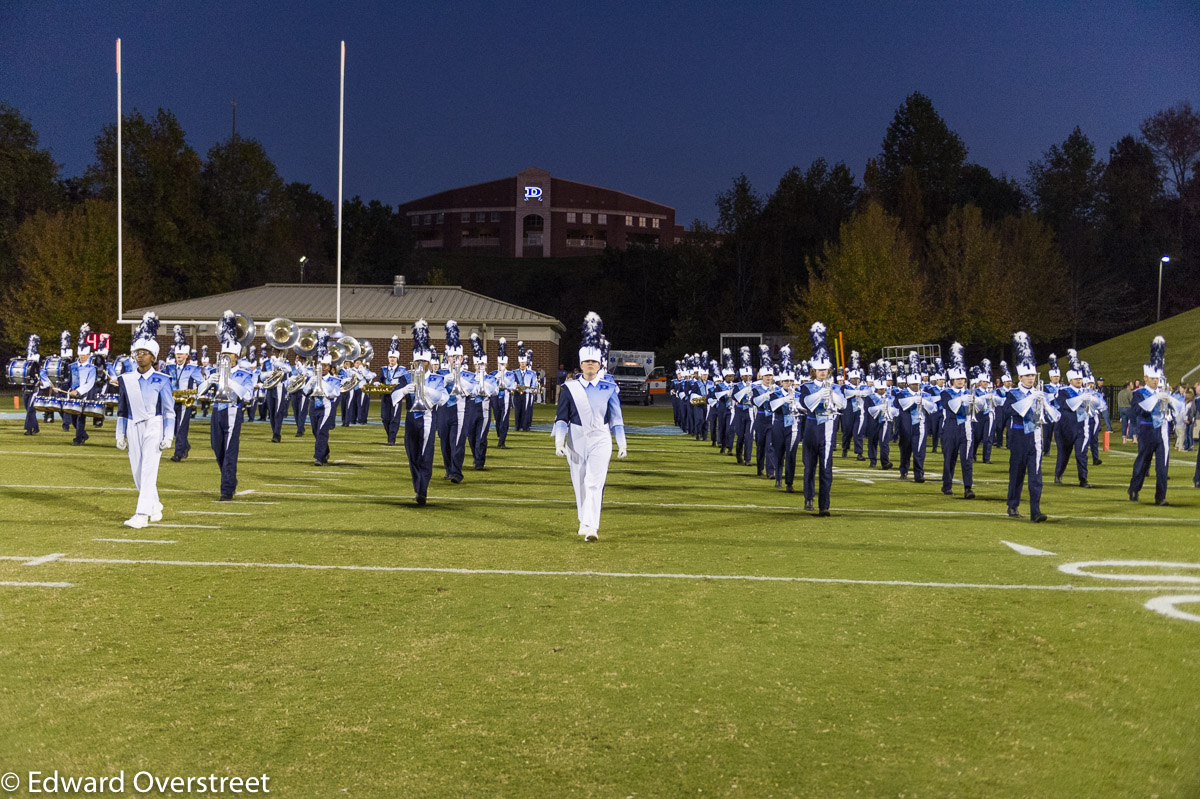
x=185 y=397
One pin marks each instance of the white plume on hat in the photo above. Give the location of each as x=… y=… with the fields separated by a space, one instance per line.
x=144 y=338
x=590 y=346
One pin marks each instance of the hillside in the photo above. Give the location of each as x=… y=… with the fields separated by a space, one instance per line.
x=1120 y=358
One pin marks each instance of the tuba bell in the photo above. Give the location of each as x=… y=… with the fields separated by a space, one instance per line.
x=305 y=345
x=282 y=333
x=245 y=329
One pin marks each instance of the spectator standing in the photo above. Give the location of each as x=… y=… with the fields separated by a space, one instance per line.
x=1124 y=402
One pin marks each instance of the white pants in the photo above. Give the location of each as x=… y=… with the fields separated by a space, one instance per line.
x=144 y=439
x=588 y=457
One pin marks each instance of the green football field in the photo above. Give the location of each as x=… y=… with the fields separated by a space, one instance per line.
x=717 y=640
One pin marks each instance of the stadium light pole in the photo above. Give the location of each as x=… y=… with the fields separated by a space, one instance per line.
x=303 y=261
x=1164 y=260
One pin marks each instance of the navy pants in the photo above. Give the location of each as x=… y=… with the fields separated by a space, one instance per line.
x=225 y=435
x=300 y=410
x=881 y=438
x=478 y=421
x=792 y=435
x=1025 y=460
x=31 y=421
x=765 y=435
x=183 y=421
x=819 y=443
x=390 y=418
x=1072 y=438
x=450 y=431
x=912 y=444
x=956 y=450
x=501 y=409
x=277 y=405
x=322 y=418
x=742 y=439
x=80 y=423
x=418 y=445
x=364 y=406
x=984 y=434
x=1152 y=447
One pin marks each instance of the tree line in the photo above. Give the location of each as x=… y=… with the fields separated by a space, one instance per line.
x=927 y=246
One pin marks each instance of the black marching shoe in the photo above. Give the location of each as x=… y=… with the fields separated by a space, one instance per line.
x=968 y=494
x=1097 y=462
x=860 y=458
x=789 y=489
x=317 y=462
x=226 y=498
x=419 y=499
x=1162 y=503
x=1196 y=484
x=1041 y=517
x=1085 y=484
x=1013 y=513
x=176 y=459
x=948 y=492
x=918 y=479
x=274 y=439
x=1133 y=495
x=1058 y=481
x=778 y=482
x=456 y=480
x=299 y=433
x=808 y=504
x=823 y=512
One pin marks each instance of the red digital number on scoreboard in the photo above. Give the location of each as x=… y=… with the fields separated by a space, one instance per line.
x=99 y=341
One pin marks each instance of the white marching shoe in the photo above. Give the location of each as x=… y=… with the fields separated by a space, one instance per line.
x=138 y=521
x=157 y=515
x=590 y=534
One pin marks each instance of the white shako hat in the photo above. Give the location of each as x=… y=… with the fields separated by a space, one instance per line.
x=144 y=338
x=590 y=347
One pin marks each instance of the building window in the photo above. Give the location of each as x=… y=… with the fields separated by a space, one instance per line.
x=441 y=218
x=587 y=219
x=534 y=223
x=629 y=221
x=429 y=219
x=641 y=221
x=415 y=220
x=466 y=217
x=570 y=216
x=481 y=217
x=495 y=216
x=602 y=219
x=654 y=223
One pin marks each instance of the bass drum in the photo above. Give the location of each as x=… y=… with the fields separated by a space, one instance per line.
x=94 y=408
x=22 y=372
x=58 y=369
x=72 y=406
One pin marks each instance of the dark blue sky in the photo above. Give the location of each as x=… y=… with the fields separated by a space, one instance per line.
x=669 y=101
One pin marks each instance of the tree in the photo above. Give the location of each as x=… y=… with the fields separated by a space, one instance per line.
x=377 y=242
x=996 y=197
x=922 y=158
x=28 y=179
x=313 y=234
x=162 y=203
x=67 y=274
x=1032 y=293
x=867 y=285
x=1174 y=137
x=968 y=278
x=1065 y=187
x=738 y=211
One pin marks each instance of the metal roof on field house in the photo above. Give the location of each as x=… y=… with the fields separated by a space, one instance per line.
x=317 y=302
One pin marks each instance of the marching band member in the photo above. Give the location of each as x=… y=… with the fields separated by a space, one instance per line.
x=587 y=417
x=985 y=411
x=712 y=409
x=1097 y=408
x=783 y=409
x=206 y=369
x=299 y=400
x=1074 y=428
x=184 y=376
x=958 y=403
x=1029 y=410
x=425 y=393
x=249 y=362
x=277 y=398
x=1006 y=385
x=882 y=412
x=915 y=408
x=522 y=377
x=478 y=415
x=1153 y=409
x=701 y=393
x=33 y=358
x=854 y=417
x=234 y=387
x=824 y=403
x=503 y=402
x=449 y=418
x=100 y=361
x=145 y=421
x=932 y=385
x=724 y=399
x=324 y=389
x=393 y=374
x=83 y=382
x=363 y=365
x=766 y=445
x=1051 y=389
x=743 y=411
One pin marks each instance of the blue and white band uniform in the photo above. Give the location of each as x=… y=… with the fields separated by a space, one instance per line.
x=226 y=426
x=587 y=418
x=145 y=424
x=183 y=378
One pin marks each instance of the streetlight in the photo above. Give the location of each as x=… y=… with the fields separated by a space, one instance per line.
x=304 y=260
x=1165 y=259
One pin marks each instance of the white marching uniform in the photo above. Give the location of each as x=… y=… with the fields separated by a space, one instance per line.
x=588 y=417
x=145 y=425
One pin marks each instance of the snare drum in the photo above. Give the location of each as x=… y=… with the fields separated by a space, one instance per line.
x=22 y=372
x=72 y=406
x=58 y=368
x=53 y=404
x=94 y=408
x=42 y=404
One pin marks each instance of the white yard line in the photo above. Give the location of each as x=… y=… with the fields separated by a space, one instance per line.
x=612 y=575
x=188 y=526
x=243 y=502
x=215 y=512
x=45 y=559
x=1022 y=549
x=134 y=541
x=16 y=584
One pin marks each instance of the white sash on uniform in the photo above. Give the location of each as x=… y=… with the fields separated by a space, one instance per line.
x=138 y=411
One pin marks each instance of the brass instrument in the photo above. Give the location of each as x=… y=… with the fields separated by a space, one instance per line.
x=350 y=383
x=282 y=333
x=297 y=381
x=827 y=397
x=366 y=351
x=222 y=387
x=185 y=397
x=245 y=329
x=419 y=401
x=305 y=345
x=377 y=388
x=698 y=401
x=273 y=378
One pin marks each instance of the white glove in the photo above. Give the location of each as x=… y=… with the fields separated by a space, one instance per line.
x=166 y=444
x=122 y=443
x=560 y=451
x=621 y=453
